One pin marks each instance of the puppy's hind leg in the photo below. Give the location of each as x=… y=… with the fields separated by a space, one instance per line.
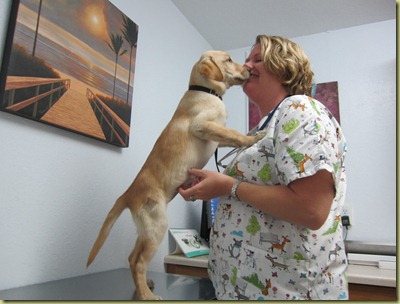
x=151 y=221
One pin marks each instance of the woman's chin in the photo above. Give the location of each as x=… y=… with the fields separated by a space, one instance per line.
x=247 y=87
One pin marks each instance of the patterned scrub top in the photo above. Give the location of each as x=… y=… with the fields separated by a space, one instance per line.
x=254 y=256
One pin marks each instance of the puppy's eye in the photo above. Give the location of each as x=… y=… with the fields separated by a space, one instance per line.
x=229 y=59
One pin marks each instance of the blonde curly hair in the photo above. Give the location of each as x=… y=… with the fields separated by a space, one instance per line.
x=288 y=62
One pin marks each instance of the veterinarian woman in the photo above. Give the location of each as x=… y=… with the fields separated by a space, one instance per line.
x=277 y=233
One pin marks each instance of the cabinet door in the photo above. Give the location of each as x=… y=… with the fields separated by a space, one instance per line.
x=372 y=293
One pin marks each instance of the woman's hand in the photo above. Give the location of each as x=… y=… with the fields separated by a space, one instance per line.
x=304 y=202
x=206 y=185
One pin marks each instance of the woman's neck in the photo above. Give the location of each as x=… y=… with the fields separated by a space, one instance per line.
x=271 y=102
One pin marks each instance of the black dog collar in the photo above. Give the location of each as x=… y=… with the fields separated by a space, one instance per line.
x=204 y=89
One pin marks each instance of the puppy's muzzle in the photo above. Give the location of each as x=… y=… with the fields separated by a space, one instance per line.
x=243 y=76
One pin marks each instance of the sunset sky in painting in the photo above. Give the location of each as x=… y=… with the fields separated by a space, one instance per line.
x=82 y=27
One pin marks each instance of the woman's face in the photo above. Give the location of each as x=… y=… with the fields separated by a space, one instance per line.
x=255 y=87
x=256 y=66
x=262 y=87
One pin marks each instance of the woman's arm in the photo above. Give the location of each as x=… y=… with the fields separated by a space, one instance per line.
x=304 y=202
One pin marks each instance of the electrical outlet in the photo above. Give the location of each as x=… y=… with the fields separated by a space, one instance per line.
x=347 y=211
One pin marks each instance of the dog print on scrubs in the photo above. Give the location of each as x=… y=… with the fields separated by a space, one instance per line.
x=256 y=256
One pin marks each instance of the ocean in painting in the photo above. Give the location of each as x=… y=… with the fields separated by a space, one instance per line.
x=71 y=64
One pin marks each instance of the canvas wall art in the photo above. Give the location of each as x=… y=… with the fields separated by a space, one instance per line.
x=327 y=93
x=70 y=64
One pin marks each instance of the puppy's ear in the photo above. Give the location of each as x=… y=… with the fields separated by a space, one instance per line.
x=210 y=69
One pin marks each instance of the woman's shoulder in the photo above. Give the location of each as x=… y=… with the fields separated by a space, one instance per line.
x=302 y=104
x=299 y=99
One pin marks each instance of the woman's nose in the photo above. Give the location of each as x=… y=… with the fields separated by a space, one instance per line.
x=247 y=66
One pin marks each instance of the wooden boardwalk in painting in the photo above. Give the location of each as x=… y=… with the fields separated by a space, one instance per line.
x=70 y=104
x=74 y=112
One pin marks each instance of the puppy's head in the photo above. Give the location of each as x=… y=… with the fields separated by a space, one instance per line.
x=217 y=70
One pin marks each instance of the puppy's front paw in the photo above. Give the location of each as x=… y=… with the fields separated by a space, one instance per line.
x=259 y=135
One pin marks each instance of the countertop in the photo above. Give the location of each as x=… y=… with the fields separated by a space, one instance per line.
x=113 y=285
x=357 y=274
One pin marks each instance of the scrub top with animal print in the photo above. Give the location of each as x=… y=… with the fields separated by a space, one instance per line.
x=255 y=256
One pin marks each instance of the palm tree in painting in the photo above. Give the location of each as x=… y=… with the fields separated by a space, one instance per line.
x=130 y=33
x=115 y=46
x=37 y=29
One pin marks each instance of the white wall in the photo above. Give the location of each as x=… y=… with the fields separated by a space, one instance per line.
x=363 y=61
x=57 y=187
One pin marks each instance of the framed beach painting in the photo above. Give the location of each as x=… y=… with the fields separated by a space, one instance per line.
x=327 y=93
x=70 y=64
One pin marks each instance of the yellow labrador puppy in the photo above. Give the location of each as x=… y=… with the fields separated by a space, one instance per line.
x=188 y=141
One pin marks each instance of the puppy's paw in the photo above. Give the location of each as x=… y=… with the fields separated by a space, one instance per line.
x=259 y=135
x=151 y=297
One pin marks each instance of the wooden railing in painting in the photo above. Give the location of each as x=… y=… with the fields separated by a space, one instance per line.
x=119 y=129
x=15 y=83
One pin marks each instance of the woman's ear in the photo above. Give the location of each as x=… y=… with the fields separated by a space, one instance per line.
x=209 y=68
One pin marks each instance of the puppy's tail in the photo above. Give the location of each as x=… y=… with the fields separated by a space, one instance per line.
x=111 y=218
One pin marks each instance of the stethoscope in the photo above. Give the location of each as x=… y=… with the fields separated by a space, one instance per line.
x=236 y=150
